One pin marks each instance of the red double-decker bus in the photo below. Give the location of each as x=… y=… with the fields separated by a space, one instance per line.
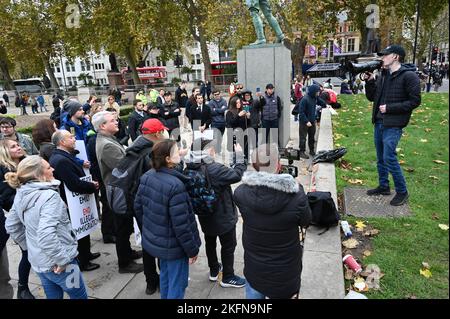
x=148 y=75
x=224 y=72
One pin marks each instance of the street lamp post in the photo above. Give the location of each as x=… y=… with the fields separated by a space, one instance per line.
x=62 y=68
x=417 y=31
x=430 y=63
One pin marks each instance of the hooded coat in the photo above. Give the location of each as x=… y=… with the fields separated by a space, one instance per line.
x=272 y=207
x=307 y=105
x=38 y=221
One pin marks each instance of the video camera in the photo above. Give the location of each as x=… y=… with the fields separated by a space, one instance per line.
x=291 y=155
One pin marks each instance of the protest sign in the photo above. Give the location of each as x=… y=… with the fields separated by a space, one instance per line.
x=82 y=210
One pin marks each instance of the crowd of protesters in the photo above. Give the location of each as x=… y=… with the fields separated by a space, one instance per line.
x=36 y=171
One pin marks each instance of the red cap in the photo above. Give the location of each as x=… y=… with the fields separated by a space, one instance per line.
x=151 y=126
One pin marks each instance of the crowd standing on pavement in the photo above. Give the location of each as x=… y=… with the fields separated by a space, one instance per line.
x=149 y=149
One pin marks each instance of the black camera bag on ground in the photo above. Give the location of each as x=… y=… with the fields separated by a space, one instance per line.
x=323 y=209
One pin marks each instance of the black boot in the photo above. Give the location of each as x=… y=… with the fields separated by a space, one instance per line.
x=23 y=292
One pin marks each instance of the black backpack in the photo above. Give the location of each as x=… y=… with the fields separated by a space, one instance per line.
x=122 y=187
x=329 y=156
x=323 y=209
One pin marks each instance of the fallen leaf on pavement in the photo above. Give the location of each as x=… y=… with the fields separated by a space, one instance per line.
x=426 y=273
x=372 y=232
x=358 y=169
x=350 y=243
x=443 y=226
x=360 y=284
x=348 y=275
x=439 y=162
x=373 y=279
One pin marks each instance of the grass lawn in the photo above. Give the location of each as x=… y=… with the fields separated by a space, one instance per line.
x=403 y=243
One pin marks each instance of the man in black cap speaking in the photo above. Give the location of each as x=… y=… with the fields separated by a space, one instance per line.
x=395 y=94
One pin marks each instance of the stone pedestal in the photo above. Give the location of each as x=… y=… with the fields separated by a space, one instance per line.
x=264 y=64
x=84 y=93
x=115 y=79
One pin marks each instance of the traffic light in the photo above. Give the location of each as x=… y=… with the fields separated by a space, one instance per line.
x=434 y=54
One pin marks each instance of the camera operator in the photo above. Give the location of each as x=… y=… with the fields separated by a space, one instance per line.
x=395 y=93
x=273 y=206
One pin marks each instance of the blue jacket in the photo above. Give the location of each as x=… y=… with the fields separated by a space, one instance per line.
x=163 y=208
x=218 y=109
x=307 y=109
x=80 y=130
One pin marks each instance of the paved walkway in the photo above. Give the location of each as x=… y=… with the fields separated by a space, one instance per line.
x=107 y=283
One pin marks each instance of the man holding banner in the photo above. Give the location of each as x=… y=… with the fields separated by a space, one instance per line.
x=77 y=191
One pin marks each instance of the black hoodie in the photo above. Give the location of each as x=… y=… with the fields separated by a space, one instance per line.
x=401 y=94
x=272 y=207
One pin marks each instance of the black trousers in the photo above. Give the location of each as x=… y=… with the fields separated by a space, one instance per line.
x=124 y=229
x=228 y=243
x=304 y=131
x=84 y=250
x=151 y=276
x=107 y=214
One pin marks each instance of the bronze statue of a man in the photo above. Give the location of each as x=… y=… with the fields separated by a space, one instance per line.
x=255 y=6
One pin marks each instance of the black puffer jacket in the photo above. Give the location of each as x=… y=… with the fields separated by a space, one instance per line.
x=402 y=96
x=171 y=119
x=272 y=208
x=225 y=215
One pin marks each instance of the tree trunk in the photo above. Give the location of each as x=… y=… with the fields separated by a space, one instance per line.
x=298 y=54
x=51 y=74
x=205 y=55
x=4 y=70
x=132 y=64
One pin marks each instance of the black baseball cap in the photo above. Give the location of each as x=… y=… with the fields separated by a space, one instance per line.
x=397 y=49
x=269 y=86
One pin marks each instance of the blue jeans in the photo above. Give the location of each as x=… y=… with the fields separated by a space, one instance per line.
x=251 y=293
x=173 y=278
x=386 y=141
x=69 y=281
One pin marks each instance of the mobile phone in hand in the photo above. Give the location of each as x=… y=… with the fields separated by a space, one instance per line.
x=258 y=90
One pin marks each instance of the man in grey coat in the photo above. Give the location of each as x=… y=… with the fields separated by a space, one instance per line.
x=109 y=153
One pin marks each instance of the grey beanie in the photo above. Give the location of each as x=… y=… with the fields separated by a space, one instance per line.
x=72 y=107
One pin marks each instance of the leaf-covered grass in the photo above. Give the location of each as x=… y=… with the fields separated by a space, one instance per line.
x=404 y=243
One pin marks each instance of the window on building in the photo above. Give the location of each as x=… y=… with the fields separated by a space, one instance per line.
x=147 y=63
x=88 y=65
x=351 y=28
x=74 y=79
x=198 y=59
x=341 y=29
x=351 y=45
x=197 y=74
x=58 y=69
x=83 y=66
x=59 y=81
x=160 y=62
x=70 y=81
x=67 y=66
x=73 y=67
x=330 y=49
